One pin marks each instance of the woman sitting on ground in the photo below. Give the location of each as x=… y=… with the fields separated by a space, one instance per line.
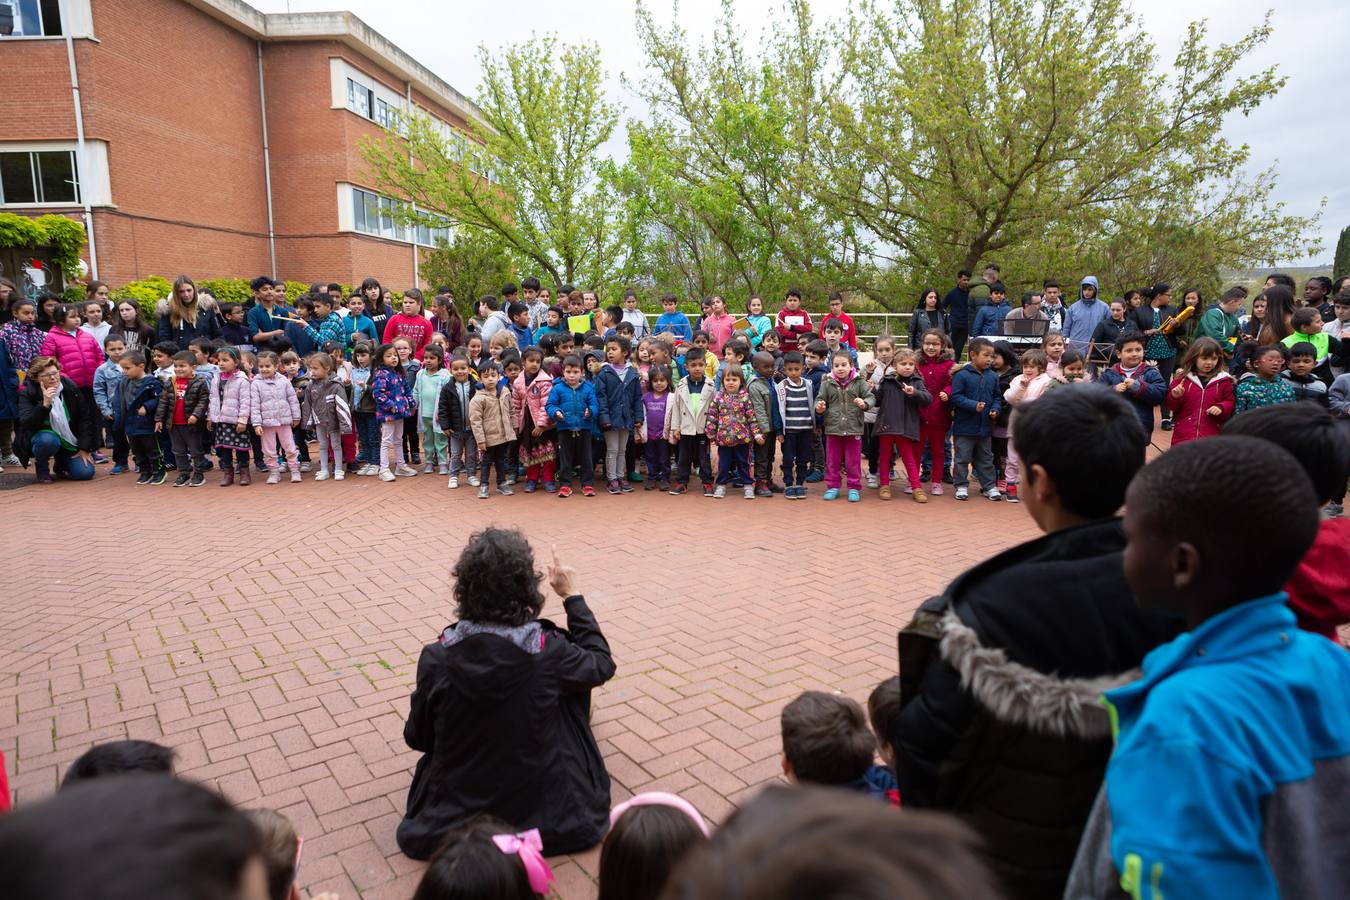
x=58 y=425
x=501 y=710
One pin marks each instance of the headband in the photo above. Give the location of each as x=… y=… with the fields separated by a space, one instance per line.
x=530 y=848
x=661 y=798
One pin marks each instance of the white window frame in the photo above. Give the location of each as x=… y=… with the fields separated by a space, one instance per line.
x=385 y=105
x=380 y=207
x=77 y=21
x=91 y=174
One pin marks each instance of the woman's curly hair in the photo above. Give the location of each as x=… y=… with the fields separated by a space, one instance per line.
x=495 y=579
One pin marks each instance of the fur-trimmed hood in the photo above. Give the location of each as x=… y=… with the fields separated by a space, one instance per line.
x=206 y=304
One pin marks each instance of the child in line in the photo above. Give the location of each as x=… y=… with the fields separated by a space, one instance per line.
x=202 y=348
x=292 y=366
x=452 y=416
x=1026 y=388
x=648 y=836
x=1133 y=378
x=883 y=714
x=656 y=449
x=411 y=366
x=796 y=401
x=363 y=402
x=900 y=398
x=832 y=331
x=731 y=426
x=976 y=402
x=842 y=400
x=325 y=410
x=883 y=354
x=107 y=388
x=393 y=403
x=672 y=321
x=816 y=354
x=1307 y=324
x=486 y=858
x=760 y=324
x=619 y=391
x=772 y=344
x=573 y=408
x=826 y=741
x=686 y=426
x=135 y=416
x=1007 y=368
x=492 y=421
x=1300 y=376
x=1223 y=778
x=1262 y=385
x=274 y=411
x=536 y=448
x=1053 y=346
x=427 y=386
x=1201 y=396
x=230 y=406
x=162 y=355
x=793 y=323
x=768 y=418
x=184 y=419
x=935 y=420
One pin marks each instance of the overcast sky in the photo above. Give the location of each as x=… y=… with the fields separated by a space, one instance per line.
x=1297 y=131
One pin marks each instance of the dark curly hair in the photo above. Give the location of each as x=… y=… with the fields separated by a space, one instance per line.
x=495 y=579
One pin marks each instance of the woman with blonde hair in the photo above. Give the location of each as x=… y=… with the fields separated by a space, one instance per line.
x=183 y=316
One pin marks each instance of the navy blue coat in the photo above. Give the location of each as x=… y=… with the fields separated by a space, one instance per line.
x=9 y=386
x=970 y=387
x=620 y=400
x=131 y=422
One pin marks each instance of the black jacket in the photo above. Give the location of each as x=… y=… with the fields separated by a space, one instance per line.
x=34 y=417
x=923 y=320
x=196 y=402
x=449 y=415
x=1143 y=320
x=506 y=731
x=1108 y=331
x=1000 y=679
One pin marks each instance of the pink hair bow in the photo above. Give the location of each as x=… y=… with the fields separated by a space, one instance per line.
x=529 y=846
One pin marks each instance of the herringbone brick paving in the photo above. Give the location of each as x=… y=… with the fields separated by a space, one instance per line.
x=270 y=634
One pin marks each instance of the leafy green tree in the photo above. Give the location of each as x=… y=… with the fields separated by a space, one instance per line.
x=533 y=175
x=1341 y=261
x=475 y=263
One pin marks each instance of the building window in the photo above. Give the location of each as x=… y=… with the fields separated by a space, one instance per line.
x=39 y=177
x=30 y=18
x=376 y=215
x=359 y=98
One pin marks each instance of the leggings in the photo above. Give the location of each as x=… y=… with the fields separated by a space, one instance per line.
x=391 y=444
x=909 y=455
x=843 y=452
x=330 y=442
x=411 y=447
x=279 y=435
x=231 y=457
x=616 y=447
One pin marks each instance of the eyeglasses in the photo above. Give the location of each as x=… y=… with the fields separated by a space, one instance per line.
x=49 y=374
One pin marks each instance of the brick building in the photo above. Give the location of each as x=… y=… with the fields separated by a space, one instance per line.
x=190 y=108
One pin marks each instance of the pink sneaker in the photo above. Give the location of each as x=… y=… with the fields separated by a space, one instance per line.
x=937 y=489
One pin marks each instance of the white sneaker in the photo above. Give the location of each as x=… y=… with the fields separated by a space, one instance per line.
x=719 y=492
x=993 y=494
x=322 y=475
x=339 y=475
x=386 y=475
x=749 y=492
x=962 y=494
x=473 y=481
x=405 y=470
x=454 y=482
x=274 y=478
x=295 y=478
x=304 y=467
x=371 y=469
x=874 y=481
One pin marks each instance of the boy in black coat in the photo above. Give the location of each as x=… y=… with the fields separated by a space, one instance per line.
x=182 y=413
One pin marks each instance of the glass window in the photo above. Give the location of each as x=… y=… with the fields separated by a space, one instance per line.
x=382 y=113
x=56 y=177
x=34 y=18
x=358 y=98
x=16 y=178
x=358 y=210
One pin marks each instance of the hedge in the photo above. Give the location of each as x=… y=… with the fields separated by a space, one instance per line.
x=64 y=236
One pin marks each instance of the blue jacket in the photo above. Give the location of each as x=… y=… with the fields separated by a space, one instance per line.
x=523 y=336
x=568 y=406
x=1231 y=760
x=9 y=386
x=620 y=399
x=145 y=393
x=107 y=385
x=677 y=323
x=970 y=387
x=1082 y=319
x=1148 y=391
x=362 y=325
x=957 y=305
x=988 y=317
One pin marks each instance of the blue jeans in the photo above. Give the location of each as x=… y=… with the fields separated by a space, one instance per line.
x=368 y=438
x=47 y=447
x=976 y=452
x=733 y=465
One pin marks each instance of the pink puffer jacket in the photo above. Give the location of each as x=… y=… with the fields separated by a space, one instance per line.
x=273 y=401
x=231 y=399
x=536 y=395
x=79 y=354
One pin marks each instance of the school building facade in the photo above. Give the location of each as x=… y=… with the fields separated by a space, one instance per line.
x=206 y=137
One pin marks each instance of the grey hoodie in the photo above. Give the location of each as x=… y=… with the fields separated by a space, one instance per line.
x=1083 y=317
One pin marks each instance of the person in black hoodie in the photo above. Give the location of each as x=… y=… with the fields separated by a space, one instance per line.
x=1008 y=368
x=501 y=711
x=1000 y=676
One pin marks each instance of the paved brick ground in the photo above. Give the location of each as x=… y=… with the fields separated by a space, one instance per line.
x=270 y=634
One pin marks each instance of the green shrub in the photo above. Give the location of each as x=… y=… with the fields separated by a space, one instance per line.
x=145 y=294
x=64 y=236
x=226 y=290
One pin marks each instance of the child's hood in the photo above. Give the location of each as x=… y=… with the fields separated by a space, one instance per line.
x=847 y=379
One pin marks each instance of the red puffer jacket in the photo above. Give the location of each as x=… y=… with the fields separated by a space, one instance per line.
x=1190 y=419
x=937 y=377
x=79 y=354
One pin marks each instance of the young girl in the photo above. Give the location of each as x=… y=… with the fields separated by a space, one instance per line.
x=324 y=409
x=883 y=355
x=770 y=344
x=474 y=348
x=274 y=410
x=1053 y=347
x=1201 y=397
x=731 y=426
x=760 y=325
x=1263 y=386
x=492 y=421
x=499 y=343
x=426 y=394
x=486 y=859
x=843 y=399
x=644 y=359
x=536 y=450
x=393 y=404
x=900 y=397
x=231 y=401
x=411 y=367
x=656 y=450
x=1007 y=368
x=935 y=420
x=136 y=334
x=367 y=428
x=1251 y=325
x=648 y=836
x=447 y=323
x=443 y=342
x=1026 y=387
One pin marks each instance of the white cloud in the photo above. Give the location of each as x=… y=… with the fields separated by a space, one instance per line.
x=1297 y=132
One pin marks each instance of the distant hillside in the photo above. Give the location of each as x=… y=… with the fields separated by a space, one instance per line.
x=1253 y=279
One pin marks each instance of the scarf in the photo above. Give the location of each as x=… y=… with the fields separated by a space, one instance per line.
x=59 y=419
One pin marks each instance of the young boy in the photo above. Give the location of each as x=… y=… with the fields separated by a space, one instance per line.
x=573 y=405
x=686 y=426
x=203 y=350
x=1135 y=380
x=519 y=314
x=107 y=390
x=796 y=409
x=764 y=399
x=493 y=423
x=1301 y=377
x=1307 y=325
x=989 y=316
x=529 y=291
x=1227 y=776
x=183 y=416
x=815 y=354
x=844 y=397
x=826 y=741
x=671 y=321
x=134 y=415
x=358 y=327
x=619 y=392
x=452 y=412
x=834 y=332
x=234 y=330
x=883 y=713
x=793 y=323
x=162 y=355
x=976 y=401
x=849 y=329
